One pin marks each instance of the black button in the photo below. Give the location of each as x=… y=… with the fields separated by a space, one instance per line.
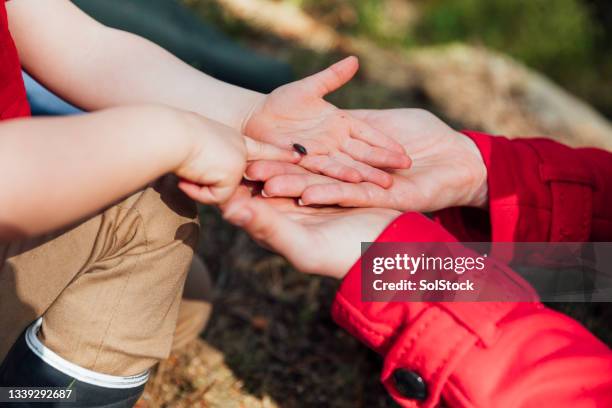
x=410 y=384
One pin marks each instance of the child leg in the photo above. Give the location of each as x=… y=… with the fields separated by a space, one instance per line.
x=109 y=289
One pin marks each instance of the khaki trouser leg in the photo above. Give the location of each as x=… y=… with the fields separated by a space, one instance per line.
x=108 y=289
x=196 y=305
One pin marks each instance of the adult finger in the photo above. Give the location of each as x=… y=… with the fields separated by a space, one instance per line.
x=241 y=193
x=292 y=185
x=347 y=195
x=329 y=167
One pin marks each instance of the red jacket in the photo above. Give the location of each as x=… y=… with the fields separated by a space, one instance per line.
x=497 y=354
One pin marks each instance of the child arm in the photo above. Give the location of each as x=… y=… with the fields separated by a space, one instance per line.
x=96 y=67
x=56 y=171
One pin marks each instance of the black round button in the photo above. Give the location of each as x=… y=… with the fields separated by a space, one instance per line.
x=410 y=384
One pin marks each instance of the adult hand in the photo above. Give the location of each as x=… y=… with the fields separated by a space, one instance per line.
x=322 y=241
x=339 y=144
x=447 y=169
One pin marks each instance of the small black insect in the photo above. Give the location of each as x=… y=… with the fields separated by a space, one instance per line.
x=300 y=149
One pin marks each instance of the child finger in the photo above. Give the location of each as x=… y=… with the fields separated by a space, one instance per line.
x=265 y=169
x=201 y=194
x=262 y=151
x=214 y=194
x=332 y=77
x=375 y=156
x=362 y=131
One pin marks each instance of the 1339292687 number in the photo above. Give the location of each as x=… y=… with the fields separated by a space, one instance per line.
x=32 y=394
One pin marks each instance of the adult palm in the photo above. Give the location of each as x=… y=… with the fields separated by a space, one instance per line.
x=447 y=169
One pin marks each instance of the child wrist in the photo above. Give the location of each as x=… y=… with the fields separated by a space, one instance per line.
x=253 y=106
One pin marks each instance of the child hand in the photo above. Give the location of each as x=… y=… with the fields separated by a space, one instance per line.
x=339 y=144
x=217 y=159
x=447 y=170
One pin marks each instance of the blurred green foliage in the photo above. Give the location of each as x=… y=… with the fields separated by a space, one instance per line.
x=548 y=35
x=570 y=41
x=567 y=40
x=381 y=21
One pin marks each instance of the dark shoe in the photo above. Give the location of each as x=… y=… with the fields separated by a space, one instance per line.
x=31 y=364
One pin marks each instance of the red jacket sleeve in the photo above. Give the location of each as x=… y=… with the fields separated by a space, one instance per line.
x=503 y=355
x=539 y=191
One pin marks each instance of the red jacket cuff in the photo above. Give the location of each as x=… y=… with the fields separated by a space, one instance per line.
x=539 y=191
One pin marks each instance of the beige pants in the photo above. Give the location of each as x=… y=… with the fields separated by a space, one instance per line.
x=109 y=289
